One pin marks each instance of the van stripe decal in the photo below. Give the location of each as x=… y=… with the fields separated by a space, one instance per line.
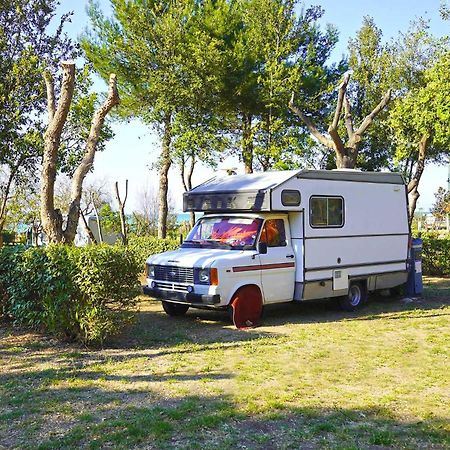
x=263 y=267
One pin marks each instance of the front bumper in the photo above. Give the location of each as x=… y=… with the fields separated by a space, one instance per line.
x=182 y=297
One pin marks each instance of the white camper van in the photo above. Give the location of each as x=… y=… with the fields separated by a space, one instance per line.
x=287 y=236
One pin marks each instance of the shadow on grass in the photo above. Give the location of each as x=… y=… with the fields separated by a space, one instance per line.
x=107 y=418
x=154 y=327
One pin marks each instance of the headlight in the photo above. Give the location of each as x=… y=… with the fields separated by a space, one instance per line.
x=150 y=271
x=206 y=276
x=203 y=276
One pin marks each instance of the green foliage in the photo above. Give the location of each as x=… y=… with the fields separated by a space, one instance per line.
x=84 y=293
x=109 y=219
x=436 y=255
x=424 y=112
x=8 y=236
x=441 y=206
x=145 y=246
x=27 y=48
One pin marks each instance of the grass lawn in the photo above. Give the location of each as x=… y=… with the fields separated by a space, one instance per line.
x=311 y=377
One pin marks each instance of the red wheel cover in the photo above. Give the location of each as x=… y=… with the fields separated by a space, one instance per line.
x=247 y=307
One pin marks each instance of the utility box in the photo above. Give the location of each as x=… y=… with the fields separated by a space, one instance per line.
x=414 y=284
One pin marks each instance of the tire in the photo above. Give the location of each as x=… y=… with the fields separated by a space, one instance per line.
x=246 y=307
x=174 y=309
x=357 y=295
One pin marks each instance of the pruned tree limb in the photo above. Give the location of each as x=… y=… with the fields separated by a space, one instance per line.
x=88 y=159
x=51 y=102
x=333 y=128
x=51 y=220
x=413 y=185
x=348 y=119
x=369 y=118
x=310 y=125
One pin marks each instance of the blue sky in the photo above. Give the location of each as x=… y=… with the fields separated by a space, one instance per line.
x=135 y=147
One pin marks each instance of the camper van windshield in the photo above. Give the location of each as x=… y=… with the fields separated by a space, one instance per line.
x=236 y=233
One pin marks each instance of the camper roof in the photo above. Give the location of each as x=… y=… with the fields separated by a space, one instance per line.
x=251 y=192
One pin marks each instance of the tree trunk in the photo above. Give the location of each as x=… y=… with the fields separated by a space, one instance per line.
x=247 y=143
x=6 y=192
x=51 y=218
x=189 y=186
x=413 y=185
x=346 y=159
x=123 y=223
x=165 y=163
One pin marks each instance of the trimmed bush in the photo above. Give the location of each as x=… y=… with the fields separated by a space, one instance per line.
x=436 y=255
x=82 y=293
x=145 y=246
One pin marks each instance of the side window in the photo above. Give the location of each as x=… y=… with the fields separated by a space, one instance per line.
x=326 y=212
x=273 y=233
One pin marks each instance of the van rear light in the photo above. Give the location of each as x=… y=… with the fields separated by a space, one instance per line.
x=213 y=277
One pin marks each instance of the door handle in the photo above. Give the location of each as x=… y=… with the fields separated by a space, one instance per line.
x=289 y=256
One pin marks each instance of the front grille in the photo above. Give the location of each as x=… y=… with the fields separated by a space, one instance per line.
x=174 y=274
x=165 y=285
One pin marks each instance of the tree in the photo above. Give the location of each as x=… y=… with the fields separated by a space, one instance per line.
x=52 y=220
x=441 y=207
x=26 y=49
x=146 y=44
x=420 y=121
x=272 y=53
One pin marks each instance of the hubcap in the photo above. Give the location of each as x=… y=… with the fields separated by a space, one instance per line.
x=354 y=295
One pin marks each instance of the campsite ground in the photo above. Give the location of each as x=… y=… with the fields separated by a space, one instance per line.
x=310 y=377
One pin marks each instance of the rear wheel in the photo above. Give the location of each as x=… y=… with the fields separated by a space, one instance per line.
x=174 y=309
x=357 y=295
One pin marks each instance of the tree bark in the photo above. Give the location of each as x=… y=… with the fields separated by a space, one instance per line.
x=123 y=223
x=189 y=185
x=247 y=143
x=51 y=218
x=413 y=185
x=165 y=164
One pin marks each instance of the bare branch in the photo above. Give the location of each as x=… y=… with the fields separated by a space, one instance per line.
x=348 y=119
x=369 y=118
x=341 y=94
x=51 y=102
x=333 y=128
x=310 y=125
x=89 y=153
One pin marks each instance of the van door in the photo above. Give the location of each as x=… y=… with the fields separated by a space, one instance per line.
x=278 y=265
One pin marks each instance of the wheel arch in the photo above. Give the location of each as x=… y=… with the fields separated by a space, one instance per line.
x=243 y=285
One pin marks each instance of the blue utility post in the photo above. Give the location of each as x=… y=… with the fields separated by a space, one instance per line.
x=414 y=286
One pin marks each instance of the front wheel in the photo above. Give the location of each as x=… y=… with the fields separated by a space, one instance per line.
x=357 y=295
x=174 y=309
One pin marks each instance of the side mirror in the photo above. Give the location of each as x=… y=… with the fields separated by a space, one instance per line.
x=262 y=248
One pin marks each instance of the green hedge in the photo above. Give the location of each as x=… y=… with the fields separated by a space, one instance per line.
x=436 y=255
x=144 y=246
x=86 y=293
